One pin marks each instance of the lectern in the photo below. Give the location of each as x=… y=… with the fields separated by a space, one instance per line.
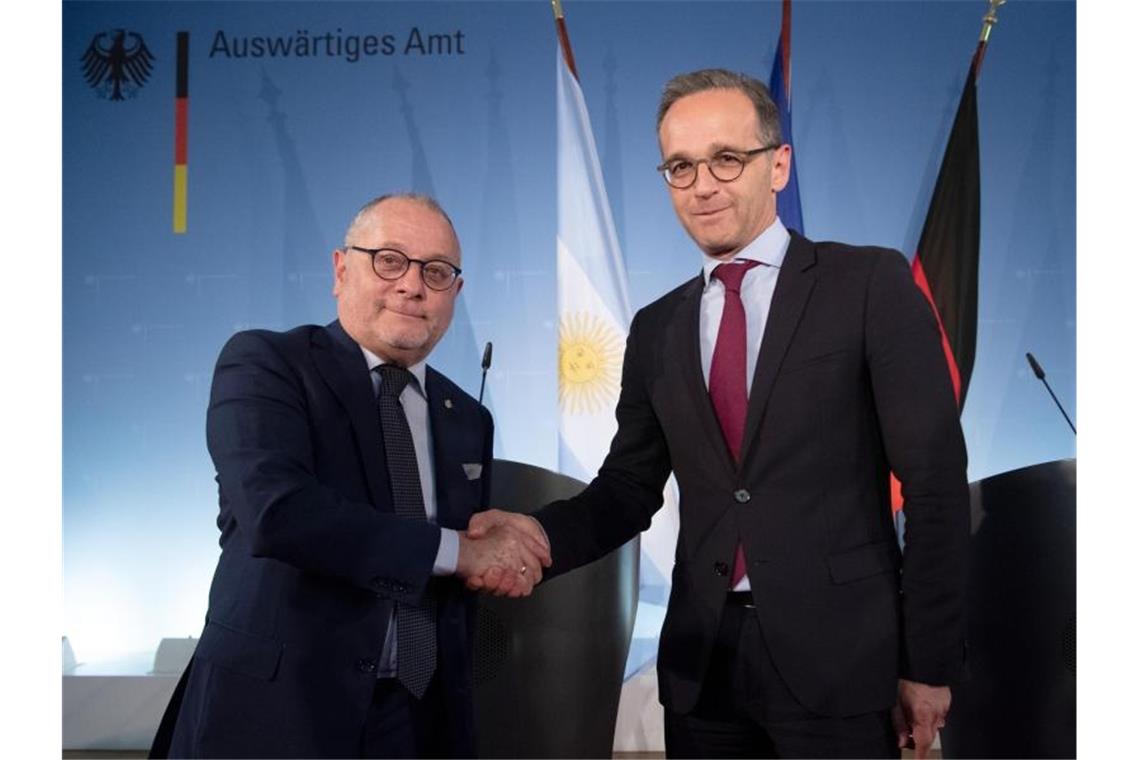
x=1020 y=696
x=548 y=668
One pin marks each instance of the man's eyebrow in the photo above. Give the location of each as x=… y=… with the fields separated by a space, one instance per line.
x=713 y=150
x=726 y=148
x=431 y=256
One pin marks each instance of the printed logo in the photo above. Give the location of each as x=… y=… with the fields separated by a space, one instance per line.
x=589 y=363
x=116 y=64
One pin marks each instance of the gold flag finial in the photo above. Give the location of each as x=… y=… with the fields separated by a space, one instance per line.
x=988 y=20
x=563 y=36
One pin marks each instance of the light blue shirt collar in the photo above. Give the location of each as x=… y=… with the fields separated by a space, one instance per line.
x=768 y=248
x=418 y=370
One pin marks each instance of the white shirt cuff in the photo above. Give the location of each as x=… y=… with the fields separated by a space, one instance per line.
x=447 y=557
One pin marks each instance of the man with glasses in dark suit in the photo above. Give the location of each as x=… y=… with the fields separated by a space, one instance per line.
x=781 y=386
x=338 y=624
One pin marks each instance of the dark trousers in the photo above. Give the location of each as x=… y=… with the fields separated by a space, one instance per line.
x=746 y=710
x=399 y=725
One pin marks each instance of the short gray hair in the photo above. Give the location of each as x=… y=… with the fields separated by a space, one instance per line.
x=723 y=79
x=422 y=198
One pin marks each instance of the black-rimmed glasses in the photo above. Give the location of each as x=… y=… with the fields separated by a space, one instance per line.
x=390 y=264
x=726 y=166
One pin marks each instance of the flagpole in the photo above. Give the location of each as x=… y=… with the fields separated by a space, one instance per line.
x=564 y=38
x=786 y=38
x=988 y=22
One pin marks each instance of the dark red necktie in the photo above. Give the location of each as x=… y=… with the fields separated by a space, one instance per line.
x=728 y=375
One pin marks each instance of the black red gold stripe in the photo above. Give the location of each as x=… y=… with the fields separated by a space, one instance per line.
x=181 y=108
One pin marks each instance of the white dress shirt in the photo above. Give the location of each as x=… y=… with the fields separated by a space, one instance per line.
x=755 y=292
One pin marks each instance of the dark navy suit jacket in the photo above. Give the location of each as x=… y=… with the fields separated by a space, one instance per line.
x=313 y=556
x=851 y=383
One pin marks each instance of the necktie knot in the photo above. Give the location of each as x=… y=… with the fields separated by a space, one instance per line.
x=393 y=379
x=732 y=273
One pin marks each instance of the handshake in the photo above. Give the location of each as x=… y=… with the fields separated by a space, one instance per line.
x=502 y=553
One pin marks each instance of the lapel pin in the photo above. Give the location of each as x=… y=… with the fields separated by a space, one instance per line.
x=447 y=403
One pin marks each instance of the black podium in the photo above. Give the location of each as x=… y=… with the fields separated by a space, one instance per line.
x=548 y=668
x=1020 y=696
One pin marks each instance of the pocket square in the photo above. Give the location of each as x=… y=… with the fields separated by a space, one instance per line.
x=473 y=471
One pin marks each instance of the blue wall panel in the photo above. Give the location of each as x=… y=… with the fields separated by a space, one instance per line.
x=282 y=150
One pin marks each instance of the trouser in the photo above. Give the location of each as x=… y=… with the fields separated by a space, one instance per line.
x=745 y=708
x=399 y=725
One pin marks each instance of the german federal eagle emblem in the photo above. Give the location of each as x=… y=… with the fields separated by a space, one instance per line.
x=117 y=63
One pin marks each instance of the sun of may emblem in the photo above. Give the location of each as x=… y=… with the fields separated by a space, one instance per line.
x=589 y=363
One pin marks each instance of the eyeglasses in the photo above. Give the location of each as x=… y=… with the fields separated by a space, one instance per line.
x=726 y=166
x=390 y=264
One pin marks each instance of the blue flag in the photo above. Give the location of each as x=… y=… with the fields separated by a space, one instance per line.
x=788 y=200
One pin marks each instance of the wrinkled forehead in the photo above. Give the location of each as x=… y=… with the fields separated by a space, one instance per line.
x=408 y=225
x=718 y=108
x=714 y=119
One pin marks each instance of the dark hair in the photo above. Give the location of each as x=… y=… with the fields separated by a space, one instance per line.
x=723 y=79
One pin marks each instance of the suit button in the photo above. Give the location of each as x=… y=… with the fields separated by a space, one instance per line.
x=366 y=666
x=720 y=568
x=742 y=496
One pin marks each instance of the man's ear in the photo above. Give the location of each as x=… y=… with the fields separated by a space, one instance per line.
x=339 y=265
x=781 y=167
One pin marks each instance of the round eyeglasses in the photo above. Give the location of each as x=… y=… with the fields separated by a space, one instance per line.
x=390 y=264
x=726 y=166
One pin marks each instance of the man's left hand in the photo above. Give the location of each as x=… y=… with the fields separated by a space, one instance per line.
x=920 y=712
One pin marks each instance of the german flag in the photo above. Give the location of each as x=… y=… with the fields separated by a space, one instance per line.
x=180 y=113
x=945 y=267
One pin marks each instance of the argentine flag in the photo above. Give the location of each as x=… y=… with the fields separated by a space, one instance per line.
x=593 y=298
x=594 y=315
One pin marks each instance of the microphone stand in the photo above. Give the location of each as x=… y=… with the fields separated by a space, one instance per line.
x=1041 y=376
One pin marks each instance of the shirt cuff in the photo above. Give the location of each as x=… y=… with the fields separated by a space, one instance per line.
x=447 y=557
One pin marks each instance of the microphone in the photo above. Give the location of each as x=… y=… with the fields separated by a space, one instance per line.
x=1040 y=373
x=486 y=366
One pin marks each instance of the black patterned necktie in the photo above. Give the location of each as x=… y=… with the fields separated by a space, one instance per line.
x=415 y=625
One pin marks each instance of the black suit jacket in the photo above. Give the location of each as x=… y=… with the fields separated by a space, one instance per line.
x=313 y=556
x=850 y=383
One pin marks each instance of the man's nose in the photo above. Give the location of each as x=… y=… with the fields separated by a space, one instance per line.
x=705 y=184
x=411 y=282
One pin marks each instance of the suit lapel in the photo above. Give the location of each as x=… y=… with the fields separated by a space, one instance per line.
x=345 y=370
x=793 y=288
x=441 y=419
x=685 y=332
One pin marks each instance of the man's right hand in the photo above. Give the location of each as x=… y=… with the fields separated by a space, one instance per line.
x=517 y=569
x=503 y=553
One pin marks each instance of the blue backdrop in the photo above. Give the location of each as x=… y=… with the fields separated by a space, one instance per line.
x=457 y=99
